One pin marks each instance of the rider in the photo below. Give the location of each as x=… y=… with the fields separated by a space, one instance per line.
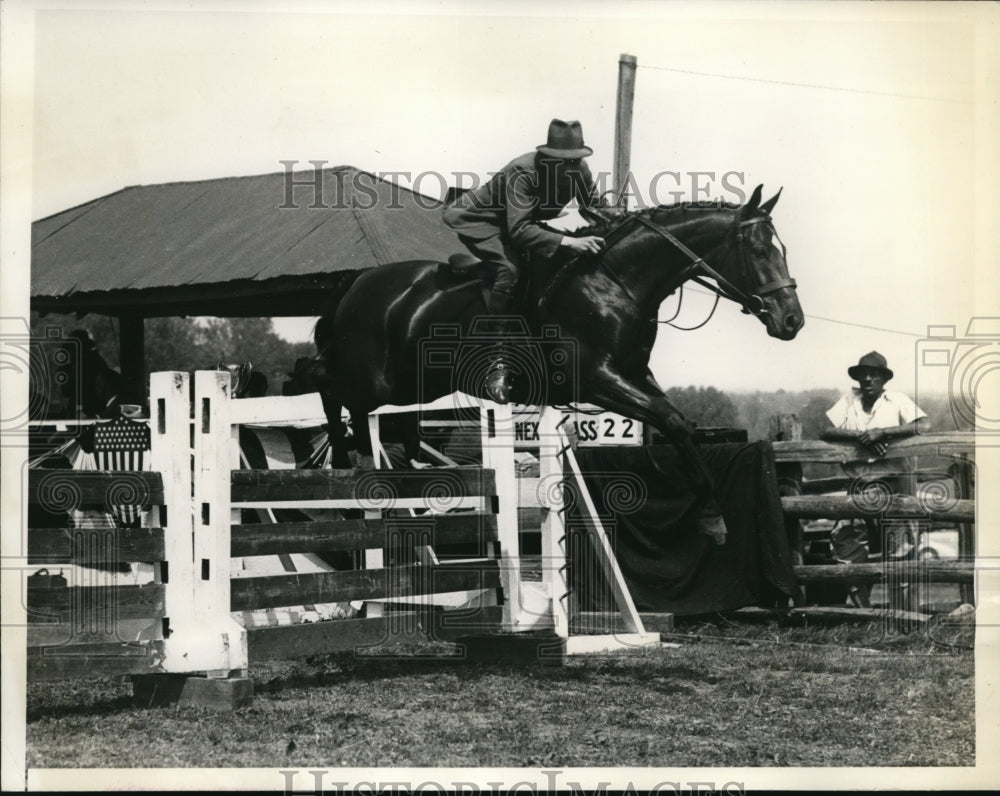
x=499 y=221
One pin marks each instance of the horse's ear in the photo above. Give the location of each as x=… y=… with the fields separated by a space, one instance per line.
x=755 y=198
x=768 y=206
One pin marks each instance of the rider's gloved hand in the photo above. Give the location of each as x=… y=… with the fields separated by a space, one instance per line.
x=590 y=244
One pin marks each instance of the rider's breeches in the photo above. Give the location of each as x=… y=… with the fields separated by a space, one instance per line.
x=503 y=257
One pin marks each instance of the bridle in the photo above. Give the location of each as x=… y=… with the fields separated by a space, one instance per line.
x=697 y=269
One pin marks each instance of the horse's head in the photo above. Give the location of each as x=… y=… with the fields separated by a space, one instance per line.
x=757 y=267
x=736 y=247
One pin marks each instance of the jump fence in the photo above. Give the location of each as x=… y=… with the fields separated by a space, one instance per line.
x=179 y=632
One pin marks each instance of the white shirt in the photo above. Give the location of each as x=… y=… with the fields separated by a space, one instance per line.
x=889 y=410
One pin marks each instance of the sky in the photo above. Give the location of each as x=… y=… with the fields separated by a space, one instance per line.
x=866 y=119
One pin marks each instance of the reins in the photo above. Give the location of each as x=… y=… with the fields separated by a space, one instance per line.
x=752 y=304
x=696 y=270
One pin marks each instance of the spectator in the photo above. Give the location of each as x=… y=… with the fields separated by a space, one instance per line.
x=100 y=389
x=256 y=386
x=872 y=416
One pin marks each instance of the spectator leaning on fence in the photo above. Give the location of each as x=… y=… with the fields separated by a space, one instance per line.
x=872 y=416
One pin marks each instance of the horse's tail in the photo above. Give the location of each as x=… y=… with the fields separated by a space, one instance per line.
x=322 y=373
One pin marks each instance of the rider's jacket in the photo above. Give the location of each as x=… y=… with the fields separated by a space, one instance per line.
x=527 y=190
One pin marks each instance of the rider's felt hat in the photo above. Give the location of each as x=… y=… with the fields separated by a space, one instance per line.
x=873 y=360
x=565 y=141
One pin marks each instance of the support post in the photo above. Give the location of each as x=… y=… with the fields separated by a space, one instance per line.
x=555 y=552
x=200 y=636
x=788 y=428
x=216 y=447
x=784 y=428
x=132 y=348
x=966 y=530
x=497 y=430
x=374 y=557
x=170 y=455
x=623 y=127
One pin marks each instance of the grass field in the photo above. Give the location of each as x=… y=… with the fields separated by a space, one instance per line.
x=729 y=694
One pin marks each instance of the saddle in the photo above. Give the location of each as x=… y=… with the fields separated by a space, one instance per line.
x=464 y=272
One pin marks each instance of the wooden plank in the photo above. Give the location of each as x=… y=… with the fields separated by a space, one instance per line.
x=181 y=690
x=94 y=660
x=830 y=614
x=358 y=534
x=249 y=594
x=120 y=631
x=904 y=571
x=373 y=486
x=588 y=623
x=65 y=490
x=306 y=409
x=82 y=546
x=348 y=635
x=617 y=642
x=84 y=604
x=900 y=506
x=820 y=486
x=944 y=444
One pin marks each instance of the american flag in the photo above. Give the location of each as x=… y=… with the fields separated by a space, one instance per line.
x=121 y=444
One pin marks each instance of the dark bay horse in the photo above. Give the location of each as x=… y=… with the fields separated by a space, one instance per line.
x=586 y=337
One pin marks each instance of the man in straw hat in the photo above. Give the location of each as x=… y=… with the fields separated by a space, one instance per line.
x=499 y=221
x=873 y=416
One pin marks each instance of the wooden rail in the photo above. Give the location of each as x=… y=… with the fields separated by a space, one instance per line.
x=249 y=594
x=836 y=507
x=955 y=448
x=95 y=546
x=377 y=487
x=359 y=534
x=904 y=571
x=65 y=490
x=950 y=445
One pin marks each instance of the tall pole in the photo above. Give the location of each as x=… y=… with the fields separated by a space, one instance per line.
x=623 y=127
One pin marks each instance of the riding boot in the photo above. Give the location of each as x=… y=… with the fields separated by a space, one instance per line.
x=498 y=376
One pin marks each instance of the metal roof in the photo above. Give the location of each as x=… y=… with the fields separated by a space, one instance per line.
x=230 y=246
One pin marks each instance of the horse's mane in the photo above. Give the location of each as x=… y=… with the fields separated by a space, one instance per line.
x=612 y=221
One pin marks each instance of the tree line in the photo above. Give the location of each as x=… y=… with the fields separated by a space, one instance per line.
x=195 y=344
x=173 y=344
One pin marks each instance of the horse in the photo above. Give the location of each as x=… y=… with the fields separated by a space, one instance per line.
x=596 y=317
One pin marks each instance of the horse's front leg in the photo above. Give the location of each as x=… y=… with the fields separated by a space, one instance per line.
x=644 y=402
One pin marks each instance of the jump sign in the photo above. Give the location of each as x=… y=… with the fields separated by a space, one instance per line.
x=593 y=426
